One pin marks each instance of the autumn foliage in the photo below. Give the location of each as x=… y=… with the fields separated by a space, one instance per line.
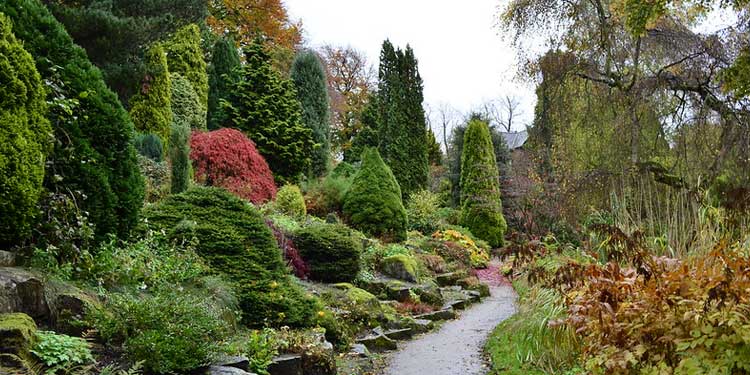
x=228 y=159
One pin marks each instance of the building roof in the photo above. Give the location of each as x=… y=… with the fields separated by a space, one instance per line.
x=515 y=140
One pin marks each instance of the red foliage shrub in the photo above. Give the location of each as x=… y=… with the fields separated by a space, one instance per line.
x=227 y=158
x=291 y=254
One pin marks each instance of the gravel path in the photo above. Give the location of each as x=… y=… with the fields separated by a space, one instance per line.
x=456 y=348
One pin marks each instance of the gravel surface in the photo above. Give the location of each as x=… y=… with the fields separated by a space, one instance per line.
x=456 y=348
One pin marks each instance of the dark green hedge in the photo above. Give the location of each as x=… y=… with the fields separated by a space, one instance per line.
x=235 y=240
x=330 y=250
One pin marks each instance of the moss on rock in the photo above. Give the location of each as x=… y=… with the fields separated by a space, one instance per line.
x=400 y=266
x=17 y=333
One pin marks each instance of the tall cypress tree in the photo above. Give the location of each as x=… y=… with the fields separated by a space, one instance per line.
x=223 y=71
x=151 y=108
x=264 y=106
x=93 y=152
x=402 y=128
x=481 y=207
x=312 y=92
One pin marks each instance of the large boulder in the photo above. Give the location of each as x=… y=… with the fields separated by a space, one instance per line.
x=22 y=291
x=401 y=267
x=286 y=364
x=377 y=342
x=17 y=333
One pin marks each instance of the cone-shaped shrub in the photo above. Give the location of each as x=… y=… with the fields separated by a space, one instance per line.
x=289 y=201
x=93 y=152
x=373 y=202
x=151 y=108
x=228 y=159
x=233 y=237
x=25 y=137
x=312 y=92
x=186 y=106
x=179 y=156
x=185 y=57
x=481 y=208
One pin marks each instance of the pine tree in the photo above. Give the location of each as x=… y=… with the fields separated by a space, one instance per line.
x=312 y=92
x=481 y=207
x=24 y=137
x=93 y=152
x=402 y=128
x=185 y=57
x=373 y=203
x=434 y=153
x=367 y=135
x=264 y=106
x=151 y=108
x=222 y=73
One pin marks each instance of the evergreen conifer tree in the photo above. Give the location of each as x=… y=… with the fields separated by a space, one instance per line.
x=185 y=57
x=481 y=207
x=186 y=106
x=223 y=71
x=93 y=152
x=151 y=108
x=312 y=92
x=402 y=128
x=264 y=106
x=24 y=137
x=179 y=156
x=373 y=203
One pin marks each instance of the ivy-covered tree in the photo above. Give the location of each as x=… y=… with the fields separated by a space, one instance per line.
x=481 y=207
x=186 y=106
x=24 y=137
x=93 y=150
x=116 y=33
x=373 y=203
x=402 y=128
x=185 y=57
x=151 y=108
x=312 y=92
x=223 y=71
x=264 y=106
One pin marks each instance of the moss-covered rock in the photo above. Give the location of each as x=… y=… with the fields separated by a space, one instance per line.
x=358 y=296
x=17 y=333
x=400 y=266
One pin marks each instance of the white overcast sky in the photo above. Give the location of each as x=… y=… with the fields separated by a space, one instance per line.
x=462 y=58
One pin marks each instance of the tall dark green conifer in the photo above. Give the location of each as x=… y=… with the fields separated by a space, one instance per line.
x=402 y=128
x=312 y=92
x=264 y=106
x=93 y=152
x=222 y=73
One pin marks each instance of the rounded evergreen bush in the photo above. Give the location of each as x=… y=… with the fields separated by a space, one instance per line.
x=24 y=137
x=481 y=207
x=150 y=146
x=289 y=201
x=331 y=252
x=373 y=202
x=234 y=239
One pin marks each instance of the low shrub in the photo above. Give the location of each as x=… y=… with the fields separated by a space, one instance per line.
x=331 y=250
x=62 y=353
x=323 y=197
x=171 y=332
x=234 y=240
x=477 y=254
x=227 y=158
x=150 y=146
x=157 y=178
x=422 y=211
x=289 y=201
